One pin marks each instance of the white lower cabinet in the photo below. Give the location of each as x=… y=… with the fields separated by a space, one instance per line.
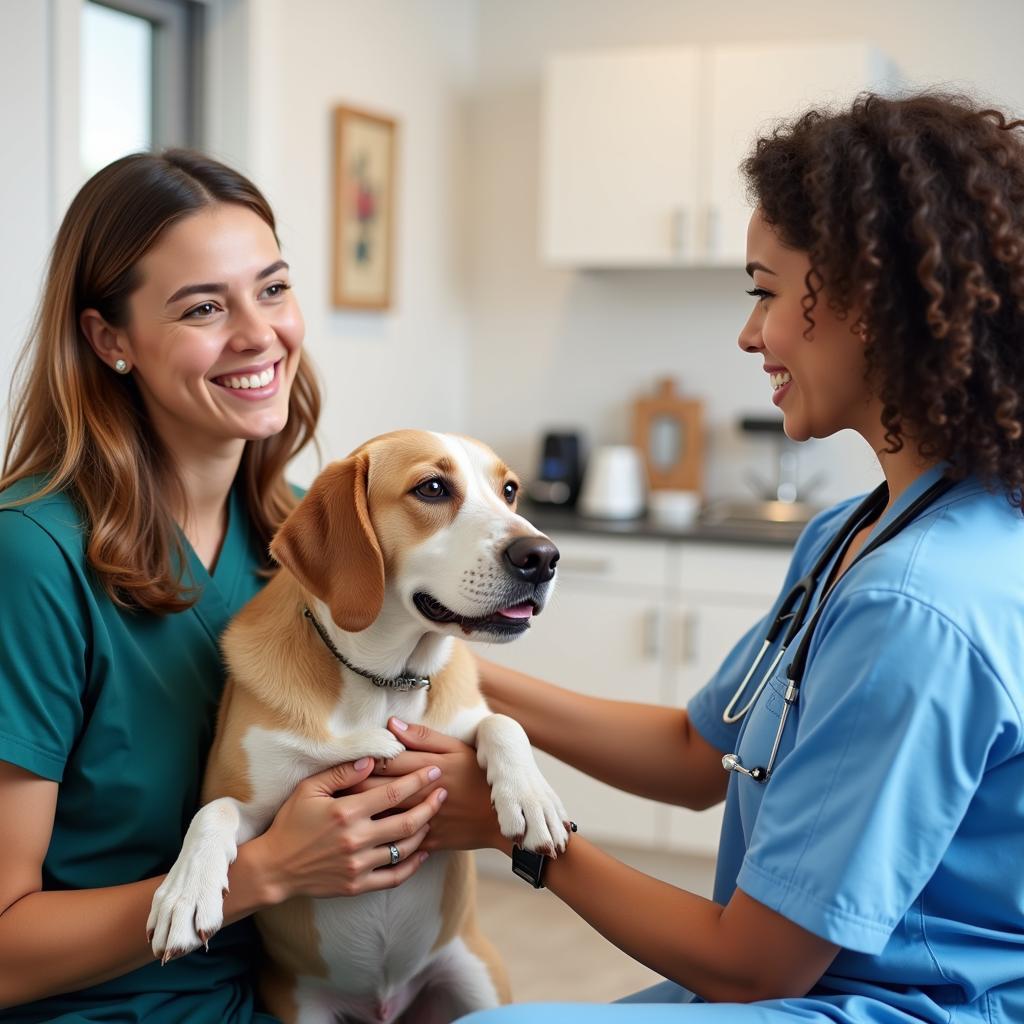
x=710 y=630
x=649 y=621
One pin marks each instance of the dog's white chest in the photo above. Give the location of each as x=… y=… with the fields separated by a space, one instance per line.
x=279 y=759
x=366 y=706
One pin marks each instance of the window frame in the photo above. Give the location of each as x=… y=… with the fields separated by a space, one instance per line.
x=178 y=65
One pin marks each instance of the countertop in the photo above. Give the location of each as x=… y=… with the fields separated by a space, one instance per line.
x=554 y=519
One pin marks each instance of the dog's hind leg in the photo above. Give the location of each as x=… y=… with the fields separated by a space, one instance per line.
x=456 y=982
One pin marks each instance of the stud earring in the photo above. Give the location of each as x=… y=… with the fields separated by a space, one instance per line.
x=121 y=366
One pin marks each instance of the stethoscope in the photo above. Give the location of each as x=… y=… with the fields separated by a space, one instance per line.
x=794 y=611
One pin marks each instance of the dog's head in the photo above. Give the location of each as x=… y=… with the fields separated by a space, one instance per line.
x=429 y=519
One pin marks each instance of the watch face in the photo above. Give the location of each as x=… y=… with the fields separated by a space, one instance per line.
x=528 y=866
x=523 y=874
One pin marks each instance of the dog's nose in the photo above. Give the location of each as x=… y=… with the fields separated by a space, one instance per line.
x=532 y=559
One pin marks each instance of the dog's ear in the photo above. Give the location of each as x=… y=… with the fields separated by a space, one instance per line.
x=329 y=545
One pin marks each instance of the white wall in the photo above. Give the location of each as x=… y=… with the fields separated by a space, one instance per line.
x=275 y=71
x=555 y=348
x=25 y=182
x=416 y=62
x=482 y=338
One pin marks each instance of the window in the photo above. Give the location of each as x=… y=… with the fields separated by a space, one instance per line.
x=139 y=78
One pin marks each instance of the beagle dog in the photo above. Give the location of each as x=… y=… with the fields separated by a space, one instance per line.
x=395 y=556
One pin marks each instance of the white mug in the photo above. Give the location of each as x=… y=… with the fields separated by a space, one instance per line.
x=615 y=483
x=675 y=508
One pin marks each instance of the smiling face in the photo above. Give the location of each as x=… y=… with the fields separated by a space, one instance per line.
x=444 y=512
x=818 y=379
x=214 y=333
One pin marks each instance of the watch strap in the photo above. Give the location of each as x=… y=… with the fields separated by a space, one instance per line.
x=529 y=866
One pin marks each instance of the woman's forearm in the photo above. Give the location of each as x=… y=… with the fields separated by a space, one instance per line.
x=739 y=953
x=673 y=932
x=53 y=942
x=645 y=749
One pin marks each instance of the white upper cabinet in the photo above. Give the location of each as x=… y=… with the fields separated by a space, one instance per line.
x=640 y=148
x=750 y=88
x=619 y=182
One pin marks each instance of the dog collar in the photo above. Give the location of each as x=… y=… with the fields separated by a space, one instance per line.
x=397 y=683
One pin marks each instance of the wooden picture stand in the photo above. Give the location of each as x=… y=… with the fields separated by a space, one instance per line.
x=669 y=431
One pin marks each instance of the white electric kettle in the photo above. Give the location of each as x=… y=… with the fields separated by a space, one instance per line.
x=615 y=483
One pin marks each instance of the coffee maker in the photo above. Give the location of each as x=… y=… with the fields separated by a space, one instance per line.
x=560 y=472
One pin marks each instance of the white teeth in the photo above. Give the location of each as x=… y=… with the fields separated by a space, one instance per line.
x=779 y=379
x=252 y=380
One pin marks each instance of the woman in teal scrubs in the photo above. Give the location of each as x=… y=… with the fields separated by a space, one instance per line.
x=875 y=876
x=164 y=392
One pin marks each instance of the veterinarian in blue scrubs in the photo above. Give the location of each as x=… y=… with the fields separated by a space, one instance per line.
x=165 y=392
x=869 y=862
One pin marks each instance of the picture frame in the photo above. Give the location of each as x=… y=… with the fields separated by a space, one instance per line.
x=364 y=210
x=669 y=431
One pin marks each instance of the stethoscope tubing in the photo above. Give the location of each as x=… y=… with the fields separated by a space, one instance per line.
x=728 y=716
x=798 y=599
x=794 y=608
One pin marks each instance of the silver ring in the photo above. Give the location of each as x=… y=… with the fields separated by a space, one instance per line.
x=395 y=855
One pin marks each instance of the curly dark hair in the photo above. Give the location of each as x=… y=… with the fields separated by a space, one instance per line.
x=911 y=211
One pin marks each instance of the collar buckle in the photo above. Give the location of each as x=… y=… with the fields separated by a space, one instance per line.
x=401 y=683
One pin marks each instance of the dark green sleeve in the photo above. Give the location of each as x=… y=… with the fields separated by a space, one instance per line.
x=43 y=648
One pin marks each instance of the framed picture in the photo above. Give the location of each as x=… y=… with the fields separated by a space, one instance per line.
x=364 y=213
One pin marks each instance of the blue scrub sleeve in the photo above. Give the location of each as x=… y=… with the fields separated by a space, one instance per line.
x=900 y=717
x=43 y=649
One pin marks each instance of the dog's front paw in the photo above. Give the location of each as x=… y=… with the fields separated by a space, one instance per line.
x=377 y=743
x=188 y=907
x=530 y=813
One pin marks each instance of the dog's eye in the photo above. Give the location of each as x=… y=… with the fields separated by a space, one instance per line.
x=509 y=492
x=431 y=489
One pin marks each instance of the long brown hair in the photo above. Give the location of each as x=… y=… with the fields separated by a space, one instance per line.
x=84 y=429
x=912 y=213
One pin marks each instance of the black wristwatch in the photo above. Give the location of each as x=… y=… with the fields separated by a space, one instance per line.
x=530 y=866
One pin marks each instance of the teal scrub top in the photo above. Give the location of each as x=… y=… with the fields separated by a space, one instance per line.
x=119 y=708
x=893 y=824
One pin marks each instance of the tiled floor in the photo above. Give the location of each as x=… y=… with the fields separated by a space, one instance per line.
x=552 y=954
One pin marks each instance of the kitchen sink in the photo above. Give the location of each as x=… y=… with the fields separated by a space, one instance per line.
x=757 y=520
x=741 y=512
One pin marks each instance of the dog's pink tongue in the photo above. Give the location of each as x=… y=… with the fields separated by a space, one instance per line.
x=519 y=611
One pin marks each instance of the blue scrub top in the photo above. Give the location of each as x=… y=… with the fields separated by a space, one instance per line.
x=893 y=824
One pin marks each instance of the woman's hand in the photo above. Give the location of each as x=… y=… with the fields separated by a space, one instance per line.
x=467 y=821
x=320 y=844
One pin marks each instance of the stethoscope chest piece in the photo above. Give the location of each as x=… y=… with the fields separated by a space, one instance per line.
x=732 y=763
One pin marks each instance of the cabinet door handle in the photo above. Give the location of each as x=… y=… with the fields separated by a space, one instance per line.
x=712 y=229
x=679 y=239
x=688 y=638
x=652 y=634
